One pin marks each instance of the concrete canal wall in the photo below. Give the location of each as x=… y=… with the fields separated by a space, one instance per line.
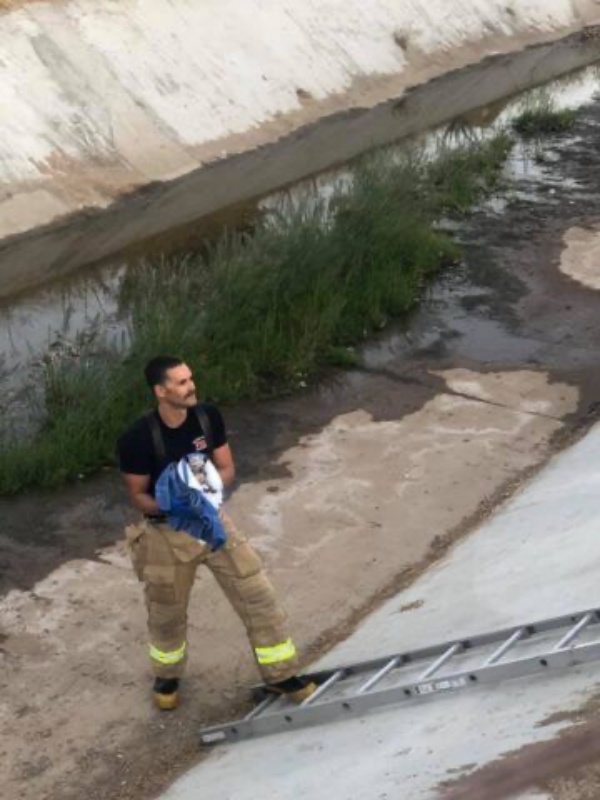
x=123 y=119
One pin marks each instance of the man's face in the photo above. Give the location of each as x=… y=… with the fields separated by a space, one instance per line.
x=178 y=390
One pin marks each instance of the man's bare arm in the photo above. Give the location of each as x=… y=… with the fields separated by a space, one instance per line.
x=137 y=489
x=222 y=458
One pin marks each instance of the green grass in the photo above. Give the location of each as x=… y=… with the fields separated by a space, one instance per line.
x=262 y=312
x=540 y=117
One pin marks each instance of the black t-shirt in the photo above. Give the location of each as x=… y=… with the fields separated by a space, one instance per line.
x=137 y=454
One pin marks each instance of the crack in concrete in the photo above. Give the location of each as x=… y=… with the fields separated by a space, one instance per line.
x=402 y=378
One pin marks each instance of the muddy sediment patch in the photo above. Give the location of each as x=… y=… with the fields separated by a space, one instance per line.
x=565 y=767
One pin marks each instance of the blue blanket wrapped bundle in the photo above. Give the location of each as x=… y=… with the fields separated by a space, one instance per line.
x=187 y=508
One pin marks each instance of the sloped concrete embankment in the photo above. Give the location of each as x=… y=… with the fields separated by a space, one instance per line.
x=122 y=121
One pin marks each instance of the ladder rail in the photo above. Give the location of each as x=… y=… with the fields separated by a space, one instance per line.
x=358 y=700
x=469 y=643
x=300 y=717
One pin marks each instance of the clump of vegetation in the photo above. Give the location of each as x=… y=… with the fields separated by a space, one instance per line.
x=261 y=312
x=540 y=116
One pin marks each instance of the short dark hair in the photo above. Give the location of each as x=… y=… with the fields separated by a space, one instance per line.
x=156 y=369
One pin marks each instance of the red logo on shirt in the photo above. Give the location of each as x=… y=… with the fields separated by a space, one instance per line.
x=200 y=443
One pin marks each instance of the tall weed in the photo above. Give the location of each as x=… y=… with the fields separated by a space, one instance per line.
x=262 y=311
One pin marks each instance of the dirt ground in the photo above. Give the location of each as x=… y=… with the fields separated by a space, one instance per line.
x=349 y=490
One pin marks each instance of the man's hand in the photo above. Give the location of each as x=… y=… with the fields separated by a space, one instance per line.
x=137 y=489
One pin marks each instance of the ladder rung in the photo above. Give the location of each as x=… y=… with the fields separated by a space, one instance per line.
x=504 y=648
x=324 y=687
x=379 y=675
x=268 y=701
x=574 y=632
x=441 y=661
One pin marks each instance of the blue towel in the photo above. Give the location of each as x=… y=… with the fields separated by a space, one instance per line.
x=187 y=508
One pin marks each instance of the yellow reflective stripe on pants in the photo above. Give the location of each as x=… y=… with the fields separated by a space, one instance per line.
x=279 y=652
x=172 y=657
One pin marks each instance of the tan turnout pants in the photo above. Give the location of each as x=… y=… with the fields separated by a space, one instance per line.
x=166 y=562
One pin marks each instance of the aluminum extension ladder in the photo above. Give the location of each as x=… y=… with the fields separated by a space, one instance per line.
x=355 y=689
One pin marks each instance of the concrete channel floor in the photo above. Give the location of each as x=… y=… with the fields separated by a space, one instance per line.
x=535 y=558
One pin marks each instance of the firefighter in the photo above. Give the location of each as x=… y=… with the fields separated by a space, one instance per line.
x=166 y=557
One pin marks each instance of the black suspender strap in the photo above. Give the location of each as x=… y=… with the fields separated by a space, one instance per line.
x=160 y=450
x=204 y=421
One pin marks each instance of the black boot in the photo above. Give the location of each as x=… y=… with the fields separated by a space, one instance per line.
x=297 y=688
x=166 y=693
